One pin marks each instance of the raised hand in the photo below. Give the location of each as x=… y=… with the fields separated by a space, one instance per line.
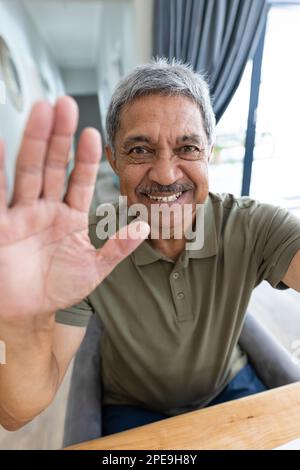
x=46 y=259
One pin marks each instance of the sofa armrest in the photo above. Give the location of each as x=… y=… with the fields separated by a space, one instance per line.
x=83 y=415
x=272 y=362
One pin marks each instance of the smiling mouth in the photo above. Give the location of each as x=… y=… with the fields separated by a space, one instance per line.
x=168 y=198
x=171 y=198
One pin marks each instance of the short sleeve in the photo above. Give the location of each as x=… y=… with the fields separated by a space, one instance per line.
x=78 y=315
x=276 y=238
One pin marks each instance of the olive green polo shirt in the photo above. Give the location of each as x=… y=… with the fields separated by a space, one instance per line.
x=171 y=327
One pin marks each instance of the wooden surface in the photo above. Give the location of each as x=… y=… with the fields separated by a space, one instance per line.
x=262 y=421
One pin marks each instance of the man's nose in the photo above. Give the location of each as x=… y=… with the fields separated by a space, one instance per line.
x=165 y=171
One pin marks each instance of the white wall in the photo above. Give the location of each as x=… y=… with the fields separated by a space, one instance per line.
x=143 y=20
x=126 y=41
x=79 y=80
x=27 y=50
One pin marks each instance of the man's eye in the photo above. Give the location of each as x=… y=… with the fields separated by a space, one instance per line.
x=189 y=149
x=191 y=152
x=138 y=150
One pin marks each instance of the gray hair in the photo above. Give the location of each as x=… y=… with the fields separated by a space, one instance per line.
x=166 y=78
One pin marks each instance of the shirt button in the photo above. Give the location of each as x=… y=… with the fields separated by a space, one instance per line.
x=175 y=275
x=180 y=295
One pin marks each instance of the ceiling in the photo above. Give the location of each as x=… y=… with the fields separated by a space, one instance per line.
x=70 y=28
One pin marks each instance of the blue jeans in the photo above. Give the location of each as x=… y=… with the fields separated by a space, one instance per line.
x=117 y=418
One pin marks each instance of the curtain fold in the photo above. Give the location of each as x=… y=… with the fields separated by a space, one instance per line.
x=217 y=37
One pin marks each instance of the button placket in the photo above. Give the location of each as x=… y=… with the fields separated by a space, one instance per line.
x=182 y=304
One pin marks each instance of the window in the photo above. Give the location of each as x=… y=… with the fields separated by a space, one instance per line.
x=276 y=163
x=274 y=167
x=226 y=167
x=275 y=153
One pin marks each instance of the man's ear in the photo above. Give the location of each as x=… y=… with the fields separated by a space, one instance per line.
x=111 y=158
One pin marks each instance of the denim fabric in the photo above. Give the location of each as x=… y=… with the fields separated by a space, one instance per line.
x=243 y=384
x=117 y=418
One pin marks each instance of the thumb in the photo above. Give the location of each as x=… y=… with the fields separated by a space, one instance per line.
x=120 y=245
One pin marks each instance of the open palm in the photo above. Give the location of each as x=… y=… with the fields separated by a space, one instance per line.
x=46 y=259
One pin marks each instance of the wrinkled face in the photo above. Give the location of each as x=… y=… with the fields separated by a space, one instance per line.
x=161 y=152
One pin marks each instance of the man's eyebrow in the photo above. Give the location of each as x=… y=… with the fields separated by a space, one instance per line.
x=196 y=138
x=135 y=139
x=190 y=138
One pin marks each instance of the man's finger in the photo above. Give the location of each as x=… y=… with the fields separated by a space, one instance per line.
x=31 y=158
x=83 y=177
x=65 y=124
x=120 y=246
x=3 y=203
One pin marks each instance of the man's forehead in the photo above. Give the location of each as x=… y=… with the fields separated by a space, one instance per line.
x=148 y=116
x=161 y=104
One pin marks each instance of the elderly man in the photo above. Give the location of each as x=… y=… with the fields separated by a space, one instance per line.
x=172 y=315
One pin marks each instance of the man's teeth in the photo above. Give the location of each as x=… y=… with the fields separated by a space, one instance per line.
x=165 y=198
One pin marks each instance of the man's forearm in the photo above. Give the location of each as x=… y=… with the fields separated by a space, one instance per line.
x=29 y=378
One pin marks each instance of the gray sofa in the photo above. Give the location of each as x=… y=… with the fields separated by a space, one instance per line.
x=273 y=364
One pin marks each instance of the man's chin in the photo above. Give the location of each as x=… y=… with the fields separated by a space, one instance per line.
x=166 y=233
